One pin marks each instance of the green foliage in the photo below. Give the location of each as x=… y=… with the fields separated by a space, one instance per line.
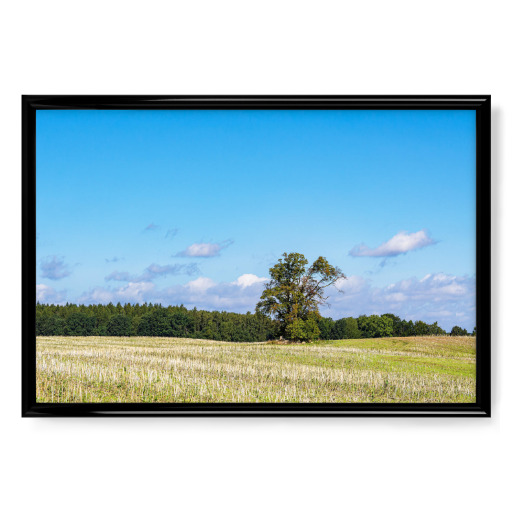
x=295 y=293
x=311 y=328
x=409 y=328
x=375 y=326
x=420 y=328
x=178 y=321
x=50 y=325
x=119 y=325
x=296 y=330
x=435 y=330
x=303 y=330
x=326 y=326
x=80 y=324
x=397 y=323
x=346 y=328
x=151 y=320
x=165 y=322
x=458 y=331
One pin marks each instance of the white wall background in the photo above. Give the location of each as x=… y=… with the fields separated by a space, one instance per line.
x=222 y=47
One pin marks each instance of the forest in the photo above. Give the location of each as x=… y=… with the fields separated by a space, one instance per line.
x=178 y=321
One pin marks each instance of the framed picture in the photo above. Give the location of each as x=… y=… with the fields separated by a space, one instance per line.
x=259 y=255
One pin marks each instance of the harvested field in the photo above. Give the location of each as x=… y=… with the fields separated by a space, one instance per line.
x=138 y=369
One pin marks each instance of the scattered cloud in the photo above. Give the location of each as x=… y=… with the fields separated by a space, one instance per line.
x=162 y=270
x=151 y=227
x=48 y=295
x=115 y=259
x=204 y=250
x=240 y=295
x=154 y=271
x=171 y=233
x=248 y=280
x=132 y=292
x=120 y=276
x=54 y=268
x=200 y=285
x=401 y=243
x=448 y=299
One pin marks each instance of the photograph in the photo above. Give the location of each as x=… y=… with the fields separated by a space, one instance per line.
x=256 y=256
x=208 y=255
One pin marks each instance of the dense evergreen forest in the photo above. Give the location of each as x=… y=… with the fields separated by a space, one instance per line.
x=178 y=321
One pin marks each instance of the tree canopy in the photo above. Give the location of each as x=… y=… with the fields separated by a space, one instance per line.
x=178 y=321
x=295 y=293
x=459 y=331
x=150 y=320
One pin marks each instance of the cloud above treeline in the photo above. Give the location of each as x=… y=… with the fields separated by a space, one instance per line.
x=447 y=299
x=54 y=268
x=450 y=300
x=48 y=295
x=401 y=243
x=153 y=271
x=239 y=295
x=204 y=250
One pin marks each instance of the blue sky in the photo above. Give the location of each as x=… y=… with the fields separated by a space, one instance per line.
x=193 y=207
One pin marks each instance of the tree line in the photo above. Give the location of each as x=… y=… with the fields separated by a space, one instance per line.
x=375 y=326
x=178 y=321
x=150 y=320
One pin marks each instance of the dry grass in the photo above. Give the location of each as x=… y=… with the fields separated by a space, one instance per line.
x=409 y=370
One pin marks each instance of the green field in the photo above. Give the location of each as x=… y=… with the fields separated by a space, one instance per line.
x=409 y=370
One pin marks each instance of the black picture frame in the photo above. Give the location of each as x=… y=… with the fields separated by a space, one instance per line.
x=481 y=104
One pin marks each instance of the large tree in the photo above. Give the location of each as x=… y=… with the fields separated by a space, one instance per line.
x=295 y=293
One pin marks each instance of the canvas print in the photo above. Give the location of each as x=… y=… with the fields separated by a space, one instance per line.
x=256 y=256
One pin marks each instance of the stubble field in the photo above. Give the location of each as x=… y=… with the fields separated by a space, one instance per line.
x=101 y=369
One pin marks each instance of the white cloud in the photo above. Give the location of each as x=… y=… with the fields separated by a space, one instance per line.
x=201 y=250
x=132 y=292
x=401 y=243
x=201 y=284
x=47 y=295
x=204 y=250
x=248 y=280
x=448 y=299
x=240 y=295
x=135 y=292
